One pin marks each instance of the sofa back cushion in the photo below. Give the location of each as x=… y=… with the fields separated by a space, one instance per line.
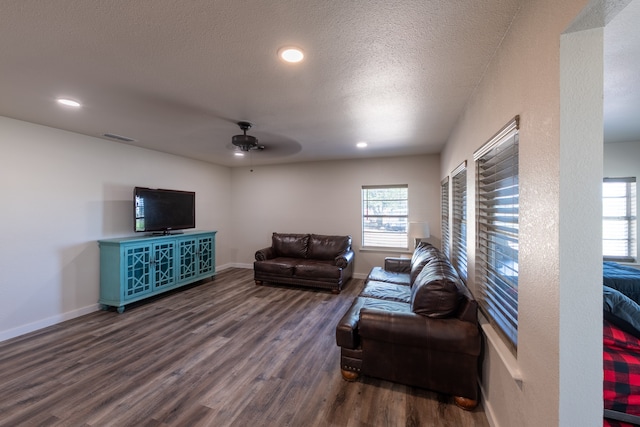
x=327 y=247
x=435 y=290
x=290 y=245
x=423 y=253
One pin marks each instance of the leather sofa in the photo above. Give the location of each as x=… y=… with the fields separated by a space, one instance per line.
x=310 y=260
x=415 y=323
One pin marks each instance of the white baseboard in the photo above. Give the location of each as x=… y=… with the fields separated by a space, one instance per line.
x=49 y=321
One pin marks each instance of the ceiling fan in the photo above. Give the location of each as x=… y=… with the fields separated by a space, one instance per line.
x=246 y=142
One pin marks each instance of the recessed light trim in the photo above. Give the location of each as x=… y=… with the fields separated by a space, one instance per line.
x=69 y=102
x=291 y=54
x=361 y=144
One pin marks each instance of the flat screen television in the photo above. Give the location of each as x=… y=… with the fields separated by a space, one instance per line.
x=163 y=211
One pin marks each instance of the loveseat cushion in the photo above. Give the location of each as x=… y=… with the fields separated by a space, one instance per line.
x=280 y=266
x=327 y=247
x=316 y=269
x=290 y=245
x=435 y=290
x=387 y=291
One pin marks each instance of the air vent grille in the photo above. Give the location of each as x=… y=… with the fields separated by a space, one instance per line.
x=118 y=137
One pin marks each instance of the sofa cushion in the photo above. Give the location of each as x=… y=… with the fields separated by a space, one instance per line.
x=327 y=247
x=423 y=253
x=317 y=269
x=280 y=266
x=435 y=290
x=387 y=291
x=379 y=274
x=290 y=245
x=347 y=329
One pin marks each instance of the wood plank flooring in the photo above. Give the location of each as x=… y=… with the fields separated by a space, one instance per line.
x=222 y=353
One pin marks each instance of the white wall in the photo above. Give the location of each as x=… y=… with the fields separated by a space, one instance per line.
x=60 y=192
x=524 y=79
x=324 y=198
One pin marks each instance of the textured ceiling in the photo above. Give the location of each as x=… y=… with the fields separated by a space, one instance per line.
x=177 y=75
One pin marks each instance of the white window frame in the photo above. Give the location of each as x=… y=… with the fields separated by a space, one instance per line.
x=497 y=230
x=444 y=210
x=621 y=211
x=385 y=227
x=459 y=219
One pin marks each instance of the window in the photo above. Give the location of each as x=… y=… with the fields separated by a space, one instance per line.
x=444 y=206
x=384 y=216
x=459 y=220
x=497 y=208
x=619 y=219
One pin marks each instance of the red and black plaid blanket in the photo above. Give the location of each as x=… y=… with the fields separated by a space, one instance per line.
x=621 y=357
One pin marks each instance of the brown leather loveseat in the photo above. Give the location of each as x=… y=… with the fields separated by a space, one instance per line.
x=305 y=260
x=415 y=323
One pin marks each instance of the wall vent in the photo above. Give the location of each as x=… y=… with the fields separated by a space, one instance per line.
x=118 y=137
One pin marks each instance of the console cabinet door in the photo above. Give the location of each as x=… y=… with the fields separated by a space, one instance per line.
x=206 y=255
x=137 y=270
x=164 y=264
x=188 y=254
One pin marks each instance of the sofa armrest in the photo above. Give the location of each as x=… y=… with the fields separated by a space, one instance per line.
x=413 y=330
x=265 y=253
x=397 y=265
x=344 y=259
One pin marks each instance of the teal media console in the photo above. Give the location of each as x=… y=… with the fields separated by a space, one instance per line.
x=134 y=268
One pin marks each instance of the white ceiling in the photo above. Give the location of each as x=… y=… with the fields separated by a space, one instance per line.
x=177 y=75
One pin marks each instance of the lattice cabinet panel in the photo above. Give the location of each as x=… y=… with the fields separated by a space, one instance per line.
x=206 y=255
x=138 y=270
x=134 y=268
x=164 y=264
x=189 y=258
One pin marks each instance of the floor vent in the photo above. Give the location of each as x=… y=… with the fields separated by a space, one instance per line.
x=118 y=137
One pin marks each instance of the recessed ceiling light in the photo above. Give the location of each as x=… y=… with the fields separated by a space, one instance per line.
x=291 y=54
x=361 y=145
x=68 y=102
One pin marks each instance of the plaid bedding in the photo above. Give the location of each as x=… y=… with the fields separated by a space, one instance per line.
x=621 y=358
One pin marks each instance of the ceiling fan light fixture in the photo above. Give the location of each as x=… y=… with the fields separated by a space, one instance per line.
x=291 y=54
x=246 y=142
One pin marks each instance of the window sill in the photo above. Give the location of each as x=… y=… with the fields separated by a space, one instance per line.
x=508 y=359
x=392 y=250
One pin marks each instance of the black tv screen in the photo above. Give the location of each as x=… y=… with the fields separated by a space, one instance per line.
x=158 y=210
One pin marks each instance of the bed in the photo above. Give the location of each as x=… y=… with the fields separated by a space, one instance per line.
x=621 y=345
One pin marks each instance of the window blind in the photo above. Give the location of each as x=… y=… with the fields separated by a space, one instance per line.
x=384 y=216
x=459 y=220
x=497 y=217
x=444 y=206
x=619 y=219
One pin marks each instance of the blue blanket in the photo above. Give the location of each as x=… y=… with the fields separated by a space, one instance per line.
x=623 y=278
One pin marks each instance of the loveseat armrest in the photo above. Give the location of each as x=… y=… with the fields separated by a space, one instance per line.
x=397 y=265
x=344 y=259
x=265 y=253
x=414 y=330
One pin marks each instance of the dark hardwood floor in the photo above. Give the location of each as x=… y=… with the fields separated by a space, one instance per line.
x=223 y=353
